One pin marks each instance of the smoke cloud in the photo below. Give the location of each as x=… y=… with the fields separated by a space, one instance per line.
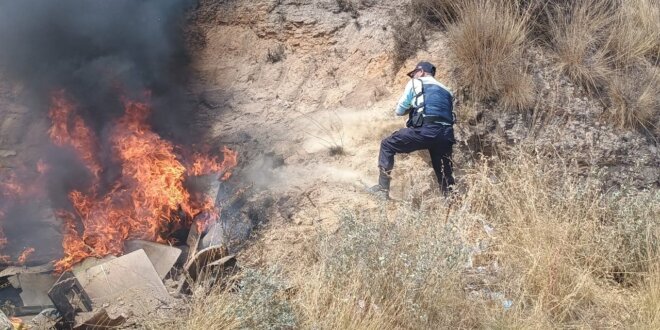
x=97 y=50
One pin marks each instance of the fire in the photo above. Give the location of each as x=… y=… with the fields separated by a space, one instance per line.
x=205 y=164
x=148 y=197
x=42 y=167
x=69 y=129
x=25 y=255
x=11 y=187
x=15 y=187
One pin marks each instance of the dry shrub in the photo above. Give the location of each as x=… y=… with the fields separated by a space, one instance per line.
x=635 y=35
x=408 y=39
x=578 y=34
x=649 y=313
x=353 y=6
x=634 y=97
x=487 y=44
x=380 y=273
x=258 y=300
x=437 y=12
x=568 y=252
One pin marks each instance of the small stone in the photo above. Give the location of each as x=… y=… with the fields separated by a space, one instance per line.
x=7 y=153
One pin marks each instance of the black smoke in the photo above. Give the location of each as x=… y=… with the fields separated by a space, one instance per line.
x=98 y=51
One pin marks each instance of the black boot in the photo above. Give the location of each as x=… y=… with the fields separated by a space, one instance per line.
x=382 y=189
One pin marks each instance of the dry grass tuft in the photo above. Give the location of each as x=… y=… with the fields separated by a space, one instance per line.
x=634 y=95
x=578 y=33
x=635 y=35
x=567 y=249
x=487 y=44
x=408 y=39
x=257 y=299
x=437 y=12
x=649 y=302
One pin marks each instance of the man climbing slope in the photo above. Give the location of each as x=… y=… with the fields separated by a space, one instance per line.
x=429 y=105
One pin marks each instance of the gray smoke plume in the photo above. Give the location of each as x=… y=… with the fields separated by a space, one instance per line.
x=98 y=50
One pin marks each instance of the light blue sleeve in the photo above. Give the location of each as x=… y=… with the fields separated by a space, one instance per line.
x=406 y=100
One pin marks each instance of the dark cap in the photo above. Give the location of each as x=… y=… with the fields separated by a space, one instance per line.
x=425 y=66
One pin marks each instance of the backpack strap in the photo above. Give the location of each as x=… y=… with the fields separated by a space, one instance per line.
x=419 y=93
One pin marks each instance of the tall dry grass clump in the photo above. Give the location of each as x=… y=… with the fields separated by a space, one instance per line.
x=611 y=49
x=487 y=44
x=634 y=97
x=634 y=45
x=635 y=35
x=578 y=34
x=571 y=253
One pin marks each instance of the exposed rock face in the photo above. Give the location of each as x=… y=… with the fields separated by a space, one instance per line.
x=275 y=72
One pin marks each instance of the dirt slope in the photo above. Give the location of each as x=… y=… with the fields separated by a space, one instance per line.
x=305 y=91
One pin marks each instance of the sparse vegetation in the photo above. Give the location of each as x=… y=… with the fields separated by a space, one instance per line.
x=487 y=44
x=256 y=300
x=578 y=34
x=276 y=55
x=437 y=12
x=353 y=6
x=529 y=245
x=408 y=39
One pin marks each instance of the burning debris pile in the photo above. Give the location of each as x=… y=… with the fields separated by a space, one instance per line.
x=119 y=192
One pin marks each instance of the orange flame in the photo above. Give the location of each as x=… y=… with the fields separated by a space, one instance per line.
x=149 y=196
x=16 y=187
x=68 y=129
x=42 y=167
x=206 y=164
x=25 y=255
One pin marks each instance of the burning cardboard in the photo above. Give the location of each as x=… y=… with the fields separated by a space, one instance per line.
x=25 y=289
x=14 y=270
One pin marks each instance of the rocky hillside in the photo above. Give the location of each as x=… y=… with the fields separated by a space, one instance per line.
x=555 y=221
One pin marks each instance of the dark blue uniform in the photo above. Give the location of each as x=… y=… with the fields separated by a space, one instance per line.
x=436 y=134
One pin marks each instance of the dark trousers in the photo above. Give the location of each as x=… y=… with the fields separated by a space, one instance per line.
x=437 y=139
